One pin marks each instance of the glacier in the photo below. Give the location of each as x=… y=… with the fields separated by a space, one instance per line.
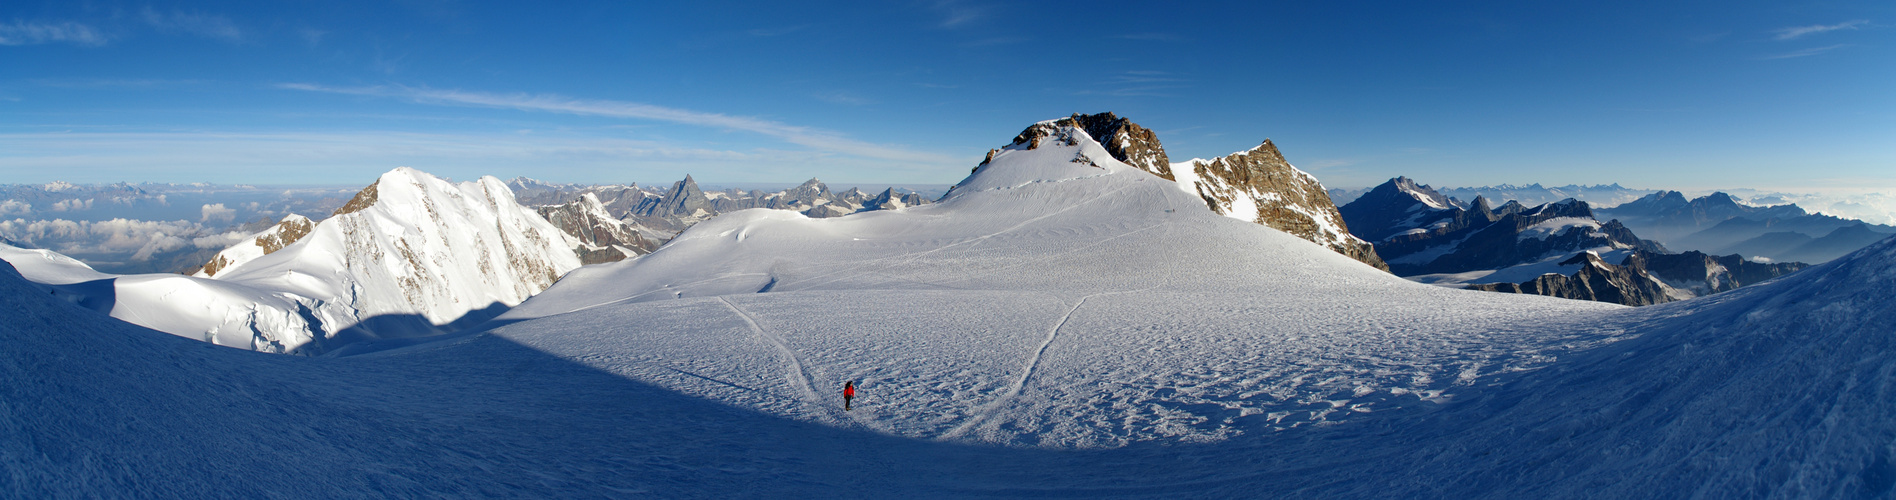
x=1061 y=324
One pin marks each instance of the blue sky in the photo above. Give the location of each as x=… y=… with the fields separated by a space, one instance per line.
x=1686 y=95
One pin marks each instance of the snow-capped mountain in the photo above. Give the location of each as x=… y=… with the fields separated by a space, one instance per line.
x=1256 y=185
x=1402 y=206
x=657 y=215
x=596 y=236
x=1599 y=195
x=1418 y=231
x=1053 y=328
x=409 y=255
x=1558 y=249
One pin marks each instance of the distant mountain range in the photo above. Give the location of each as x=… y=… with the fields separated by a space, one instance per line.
x=614 y=222
x=1719 y=223
x=1559 y=248
x=1599 y=195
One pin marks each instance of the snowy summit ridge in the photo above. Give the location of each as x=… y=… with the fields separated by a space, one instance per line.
x=1257 y=185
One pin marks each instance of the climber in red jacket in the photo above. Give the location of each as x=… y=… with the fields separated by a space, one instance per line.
x=849 y=393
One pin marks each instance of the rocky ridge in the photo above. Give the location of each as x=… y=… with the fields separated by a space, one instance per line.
x=640 y=220
x=597 y=236
x=1257 y=185
x=1647 y=278
x=1419 y=231
x=1429 y=236
x=1261 y=186
x=290 y=230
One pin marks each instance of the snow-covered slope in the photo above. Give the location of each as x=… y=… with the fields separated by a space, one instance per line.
x=293 y=227
x=411 y=255
x=1054 y=328
x=1056 y=297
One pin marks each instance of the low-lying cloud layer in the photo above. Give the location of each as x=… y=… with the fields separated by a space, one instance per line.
x=138 y=238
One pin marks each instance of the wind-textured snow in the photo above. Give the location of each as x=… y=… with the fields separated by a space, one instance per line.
x=1053 y=328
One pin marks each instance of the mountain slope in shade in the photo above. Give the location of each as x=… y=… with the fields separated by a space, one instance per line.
x=1418 y=231
x=1837 y=243
x=1646 y=278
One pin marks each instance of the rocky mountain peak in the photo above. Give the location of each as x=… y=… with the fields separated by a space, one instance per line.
x=684 y=199
x=362 y=200
x=290 y=230
x=1259 y=185
x=1123 y=140
x=1128 y=142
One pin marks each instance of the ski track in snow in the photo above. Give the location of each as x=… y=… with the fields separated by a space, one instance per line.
x=794 y=373
x=1027 y=373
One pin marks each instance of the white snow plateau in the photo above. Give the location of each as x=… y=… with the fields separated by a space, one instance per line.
x=1060 y=324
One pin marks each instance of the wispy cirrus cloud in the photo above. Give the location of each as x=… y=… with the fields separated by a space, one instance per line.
x=196 y=24
x=1795 y=32
x=824 y=140
x=1139 y=84
x=35 y=33
x=957 y=13
x=1806 y=52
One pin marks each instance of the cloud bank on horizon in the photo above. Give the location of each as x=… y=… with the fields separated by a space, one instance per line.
x=915 y=93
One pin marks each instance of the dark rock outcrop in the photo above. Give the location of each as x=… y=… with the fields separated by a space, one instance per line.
x=1285 y=198
x=1418 y=231
x=601 y=238
x=1646 y=278
x=1596 y=281
x=290 y=230
x=1707 y=274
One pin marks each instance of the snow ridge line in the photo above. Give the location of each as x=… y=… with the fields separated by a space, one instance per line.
x=909 y=258
x=801 y=382
x=666 y=288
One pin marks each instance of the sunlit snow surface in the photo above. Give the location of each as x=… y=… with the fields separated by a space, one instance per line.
x=1052 y=329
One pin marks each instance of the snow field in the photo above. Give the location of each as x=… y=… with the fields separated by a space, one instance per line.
x=1072 y=336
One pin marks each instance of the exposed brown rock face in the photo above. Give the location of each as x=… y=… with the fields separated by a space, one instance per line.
x=1124 y=140
x=362 y=200
x=602 y=238
x=289 y=231
x=292 y=229
x=1284 y=198
x=1127 y=142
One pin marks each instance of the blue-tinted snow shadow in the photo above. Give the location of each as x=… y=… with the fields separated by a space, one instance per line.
x=394 y=331
x=143 y=413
